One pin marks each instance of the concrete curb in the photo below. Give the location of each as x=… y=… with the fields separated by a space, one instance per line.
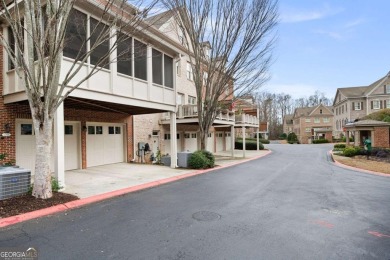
x=339 y=164
x=4 y=222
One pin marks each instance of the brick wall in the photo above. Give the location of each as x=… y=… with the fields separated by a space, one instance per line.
x=382 y=137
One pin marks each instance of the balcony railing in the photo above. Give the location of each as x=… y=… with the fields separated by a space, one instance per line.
x=191 y=111
x=247 y=119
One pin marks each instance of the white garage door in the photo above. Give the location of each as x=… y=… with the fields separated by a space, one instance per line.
x=167 y=143
x=104 y=144
x=190 y=141
x=219 y=141
x=210 y=142
x=25 y=145
x=228 y=141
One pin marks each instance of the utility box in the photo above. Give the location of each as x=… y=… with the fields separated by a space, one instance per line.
x=14 y=182
x=183 y=158
x=141 y=146
x=166 y=160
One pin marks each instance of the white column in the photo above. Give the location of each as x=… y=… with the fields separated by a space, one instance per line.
x=173 y=140
x=257 y=138
x=232 y=138
x=59 y=149
x=113 y=57
x=243 y=142
x=149 y=69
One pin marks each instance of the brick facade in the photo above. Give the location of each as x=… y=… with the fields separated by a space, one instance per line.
x=381 y=137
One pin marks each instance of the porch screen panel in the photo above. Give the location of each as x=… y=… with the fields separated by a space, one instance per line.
x=140 y=55
x=76 y=35
x=100 y=44
x=168 y=71
x=124 y=53
x=157 y=67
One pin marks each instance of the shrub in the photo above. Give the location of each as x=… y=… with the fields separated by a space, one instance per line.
x=260 y=135
x=320 y=141
x=198 y=160
x=210 y=157
x=292 y=138
x=344 y=139
x=283 y=136
x=351 y=151
x=249 y=145
x=339 y=146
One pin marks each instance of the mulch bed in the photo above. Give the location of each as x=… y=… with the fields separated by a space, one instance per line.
x=26 y=203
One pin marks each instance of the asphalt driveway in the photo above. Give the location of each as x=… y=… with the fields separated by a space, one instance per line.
x=292 y=204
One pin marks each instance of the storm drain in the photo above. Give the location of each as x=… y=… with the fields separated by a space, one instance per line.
x=206 y=216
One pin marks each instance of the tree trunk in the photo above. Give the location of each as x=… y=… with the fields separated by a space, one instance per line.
x=203 y=139
x=43 y=140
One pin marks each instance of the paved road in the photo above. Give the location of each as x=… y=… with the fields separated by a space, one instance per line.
x=293 y=204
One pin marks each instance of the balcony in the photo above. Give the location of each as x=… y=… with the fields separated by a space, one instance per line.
x=189 y=114
x=247 y=120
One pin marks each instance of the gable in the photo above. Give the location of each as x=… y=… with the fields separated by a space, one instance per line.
x=321 y=110
x=380 y=89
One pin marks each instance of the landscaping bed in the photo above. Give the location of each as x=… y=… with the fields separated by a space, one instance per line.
x=27 y=203
x=361 y=162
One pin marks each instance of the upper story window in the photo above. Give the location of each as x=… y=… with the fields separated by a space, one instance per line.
x=320 y=111
x=342 y=110
x=99 y=44
x=178 y=68
x=317 y=120
x=124 y=53
x=387 y=89
x=157 y=68
x=346 y=107
x=140 y=57
x=357 y=106
x=190 y=74
x=387 y=103
x=191 y=100
x=326 y=120
x=180 y=99
x=376 y=104
x=76 y=35
x=307 y=120
x=168 y=71
x=307 y=129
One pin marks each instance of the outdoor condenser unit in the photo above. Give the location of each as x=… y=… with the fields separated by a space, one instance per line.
x=14 y=182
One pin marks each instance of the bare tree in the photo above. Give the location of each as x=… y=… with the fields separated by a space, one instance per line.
x=239 y=34
x=38 y=31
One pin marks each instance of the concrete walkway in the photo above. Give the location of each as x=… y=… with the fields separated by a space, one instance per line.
x=107 y=178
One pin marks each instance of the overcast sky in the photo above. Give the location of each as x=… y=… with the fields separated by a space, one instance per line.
x=325 y=45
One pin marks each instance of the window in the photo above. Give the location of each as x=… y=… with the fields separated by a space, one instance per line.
x=316 y=120
x=193 y=135
x=320 y=111
x=140 y=69
x=342 y=110
x=91 y=130
x=124 y=54
x=76 y=35
x=178 y=68
x=209 y=135
x=68 y=130
x=180 y=99
x=26 y=129
x=191 y=100
x=307 y=129
x=117 y=130
x=346 y=107
x=111 y=130
x=376 y=104
x=168 y=71
x=190 y=75
x=167 y=136
x=186 y=135
x=358 y=106
x=12 y=45
x=387 y=87
x=99 y=44
x=157 y=59
x=99 y=130
x=227 y=134
x=387 y=103
x=307 y=120
x=326 y=119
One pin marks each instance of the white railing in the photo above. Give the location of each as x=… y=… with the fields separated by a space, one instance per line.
x=247 y=119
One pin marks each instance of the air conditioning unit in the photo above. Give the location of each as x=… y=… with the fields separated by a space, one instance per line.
x=14 y=182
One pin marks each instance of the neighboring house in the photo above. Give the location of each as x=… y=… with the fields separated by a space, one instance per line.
x=288 y=125
x=221 y=135
x=356 y=102
x=311 y=123
x=94 y=125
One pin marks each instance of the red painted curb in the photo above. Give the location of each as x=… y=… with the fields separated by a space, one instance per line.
x=339 y=164
x=4 y=222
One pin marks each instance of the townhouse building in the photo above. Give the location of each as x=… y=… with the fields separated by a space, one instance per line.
x=94 y=125
x=356 y=102
x=311 y=123
x=156 y=129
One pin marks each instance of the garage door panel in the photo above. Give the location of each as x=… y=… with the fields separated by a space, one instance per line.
x=105 y=144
